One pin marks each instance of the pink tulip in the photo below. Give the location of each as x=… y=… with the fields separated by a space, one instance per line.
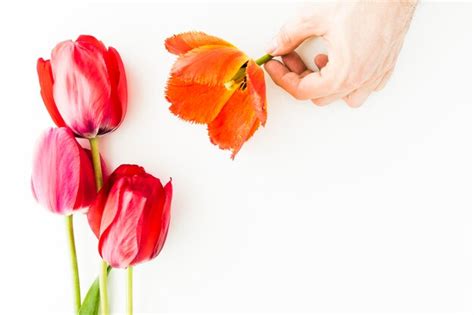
x=130 y=216
x=84 y=86
x=63 y=178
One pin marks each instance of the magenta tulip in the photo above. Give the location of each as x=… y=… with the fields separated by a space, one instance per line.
x=63 y=178
x=84 y=86
x=130 y=216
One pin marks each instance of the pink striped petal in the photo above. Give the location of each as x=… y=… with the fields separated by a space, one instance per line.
x=131 y=216
x=118 y=245
x=81 y=86
x=96 y=210
x=60 y=167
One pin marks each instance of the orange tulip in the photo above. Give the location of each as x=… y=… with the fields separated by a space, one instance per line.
x=214 y=83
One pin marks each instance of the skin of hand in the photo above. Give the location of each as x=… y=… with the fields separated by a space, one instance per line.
x=363 y=40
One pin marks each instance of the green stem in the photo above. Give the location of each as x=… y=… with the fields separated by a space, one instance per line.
x=74 y=265
x=130 y=290
x=99 y=181
x=260 y=61
x=94 y=142
x=104 y=299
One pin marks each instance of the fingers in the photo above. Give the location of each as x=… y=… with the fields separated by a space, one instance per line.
x=281 y=75
x=321 y=60
x=302 y=85
x=276 y=70
x=323 y=101
x=294 y=63
x=291 y=35
x=315 y=85
x=305 y=73
x=358 y=97
x=384 y=80
x=305 y=86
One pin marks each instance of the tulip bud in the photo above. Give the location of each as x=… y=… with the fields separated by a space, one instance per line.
x=130 y=216
x=84 y=86
x=63 y=177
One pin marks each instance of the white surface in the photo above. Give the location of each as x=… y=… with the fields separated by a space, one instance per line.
x=324 y=210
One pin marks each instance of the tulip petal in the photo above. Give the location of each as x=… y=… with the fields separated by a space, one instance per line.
x=256 y=88
x=243 y=113
x=134 y=219
x=85 y=40
x=46 y=83
x=89 y=94
x=199 y=103
x=118 y=97
x=94 y=215
x=236 y=123
x=56 y=171
x=86 y=194
x=126 y=170
x=165 y=219
x=81 y=88
x=194 y=66
x=96 y=210
x=118 y=245
x=184 y=42
x=151 y=220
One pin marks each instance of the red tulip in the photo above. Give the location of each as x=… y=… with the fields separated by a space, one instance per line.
x=84 y=86
x=63 y=178
x=130 y=216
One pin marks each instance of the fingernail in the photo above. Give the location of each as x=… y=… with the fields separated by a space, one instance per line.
x=272 y=46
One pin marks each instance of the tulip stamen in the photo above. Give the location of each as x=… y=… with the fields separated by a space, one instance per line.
x=241 y=75
x=229 y=85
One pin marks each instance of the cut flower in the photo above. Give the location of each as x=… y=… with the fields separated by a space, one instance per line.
x=131 y=216
x=84 y=86
x=214 y=83
x=62 y=179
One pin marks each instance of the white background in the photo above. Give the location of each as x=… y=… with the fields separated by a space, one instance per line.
x=325 y=210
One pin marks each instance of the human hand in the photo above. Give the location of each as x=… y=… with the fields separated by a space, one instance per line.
x=363 y=40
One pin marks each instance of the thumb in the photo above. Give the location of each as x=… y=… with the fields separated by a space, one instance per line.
x=290 y=36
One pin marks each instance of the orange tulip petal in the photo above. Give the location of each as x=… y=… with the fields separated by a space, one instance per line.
x=236 y=123
x=213 y=65
x=184 y=42
x=245 y=111
x=199 y=103
x=256 y=88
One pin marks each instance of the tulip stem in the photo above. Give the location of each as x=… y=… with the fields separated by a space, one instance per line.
x=99 y=181
x=74 y=265
x=130 y=290
x=104 y=299
x=94 y=142
x=260 y=61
